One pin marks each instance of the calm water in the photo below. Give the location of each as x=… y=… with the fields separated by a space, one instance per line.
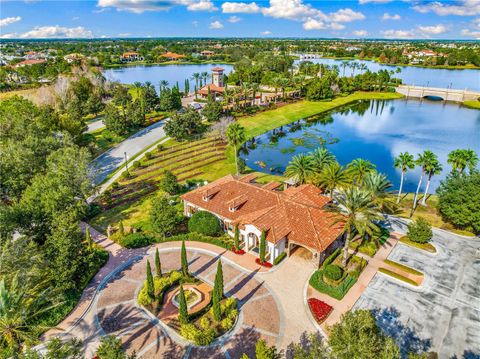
x=157 y=73
x=374 y=130
x=458 y=79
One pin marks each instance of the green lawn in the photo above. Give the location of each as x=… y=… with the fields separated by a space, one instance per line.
x=472 y=104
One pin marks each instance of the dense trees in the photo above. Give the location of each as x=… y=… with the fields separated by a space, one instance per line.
x=185 y=125
x=163 y=216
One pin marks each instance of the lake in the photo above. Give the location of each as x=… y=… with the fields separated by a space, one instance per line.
x=376 y=131
x=419 y=76
x=172 y=73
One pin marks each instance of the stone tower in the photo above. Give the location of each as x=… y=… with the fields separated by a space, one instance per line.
x=217 y=76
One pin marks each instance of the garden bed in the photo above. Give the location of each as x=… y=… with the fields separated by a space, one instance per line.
x=320 y=310
x=423 y=246
x=398 y=276
x=403 y=267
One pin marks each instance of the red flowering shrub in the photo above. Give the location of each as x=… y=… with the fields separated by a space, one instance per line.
x=240 y=251
x=319 y=309
x=265 y=264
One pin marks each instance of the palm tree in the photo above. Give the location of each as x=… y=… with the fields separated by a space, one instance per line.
x=196 y=77
x=333 y=177
x=356 y=212
x=432 y=168
x=300 y=168
x=163 y=85
x=363 y=67
x=322 y=157
x=358 y=168
x=254 y=88
x=461 y=159
x=404 y=161
x=353 y=66
x=204 y=76
x=235 y=136
x=423 y=160
x=378 y=185
x=344 y=64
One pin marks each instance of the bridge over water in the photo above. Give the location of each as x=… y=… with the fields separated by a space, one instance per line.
x=446 y=94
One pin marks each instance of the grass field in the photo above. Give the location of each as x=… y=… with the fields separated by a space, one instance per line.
x=472 y=104
x=423 y=246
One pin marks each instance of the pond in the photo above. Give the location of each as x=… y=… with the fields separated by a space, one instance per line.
x=172 y=73
x=374 y=130
x=419 y=76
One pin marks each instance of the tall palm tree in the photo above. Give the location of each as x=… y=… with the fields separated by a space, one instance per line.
x=461 y=159
x=356 y=212
x=432 y=168
x=254 y=88
x=300 y=168
x=404 y=161
x=322 y=157
x=471 y=159
x=163 y=85
x=358 y=168
x=333 y=177
x=379 y=186
x=423 y=160
x=363 y=67
x=353 y=66
x=344 y=65
x=235 y=136
x=196 y=77
x=204 y=76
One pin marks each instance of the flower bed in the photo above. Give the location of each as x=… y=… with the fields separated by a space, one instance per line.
x=239 y=251
x=319 y=309
x=264 y=264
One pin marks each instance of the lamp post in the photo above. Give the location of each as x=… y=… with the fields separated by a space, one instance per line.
x=126 y=164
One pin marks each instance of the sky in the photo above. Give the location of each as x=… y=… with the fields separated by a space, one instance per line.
x=389 y=19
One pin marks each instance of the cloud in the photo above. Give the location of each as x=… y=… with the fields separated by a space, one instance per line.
x=216 y=25
x=470 y=33
x=234 y=19
x=362 y=2
x=9 y=20
x=140 y=6
x=360 y=33
x=240 y=7
x=312 y=24
x=398 y=34
x=346 y=15
x=266 y=32
x=460 y=8
x=433 y=30
x=124 y=34
x=387 y=16
x=52 y=32
x=195 y=23
x=75 y=18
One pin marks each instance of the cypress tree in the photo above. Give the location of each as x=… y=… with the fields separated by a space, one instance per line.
x=158 y=265
x=217 y=312
x=150 y=284
x=182 y=307
x=121 y=229
x=236 y=238
x=88 y=237
x=184 y=260
x=262 y=247
x=219 y=280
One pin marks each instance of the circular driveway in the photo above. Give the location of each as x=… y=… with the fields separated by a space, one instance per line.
x=117 y=313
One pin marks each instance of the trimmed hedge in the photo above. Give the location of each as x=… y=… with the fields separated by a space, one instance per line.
x=333 y=272
x=204 y=223
x=280 y=258
x=135 y=240
x=223 y=242
x=331 y=257
x=316 y=281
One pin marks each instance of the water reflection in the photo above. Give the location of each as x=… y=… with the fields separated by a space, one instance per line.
x=375 y=130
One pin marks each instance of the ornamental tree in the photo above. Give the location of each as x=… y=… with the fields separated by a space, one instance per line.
x=121 y=229
x=216 y=310
x=163 y=216
x=420 y=231
x=236 y=238
x=169 y=183
x=158 y=265
x=262 y=247
x=184 y=261
x=219 y=279
x=182 y=307
x=150 y=285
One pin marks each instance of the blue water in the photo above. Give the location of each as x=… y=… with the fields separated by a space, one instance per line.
x=419 y=76
x=157 y=73
x=376 y=131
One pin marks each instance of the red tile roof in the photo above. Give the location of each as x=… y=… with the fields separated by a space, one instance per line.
x=218 y=69
x=296 y=213
x=30 y=62
x=172 y=55
x=212 y=87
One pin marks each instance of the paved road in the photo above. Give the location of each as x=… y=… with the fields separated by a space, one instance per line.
x=443 y=314
x=110 y=160
x=93 y=126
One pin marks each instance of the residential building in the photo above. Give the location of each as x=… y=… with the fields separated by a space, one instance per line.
x=290 y=218
x=216 y=88
x=29 y=62
x=207 y=53
x=131 y=56
x=172 y=56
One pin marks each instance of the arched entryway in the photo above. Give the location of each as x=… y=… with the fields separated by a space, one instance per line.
x=301 y=251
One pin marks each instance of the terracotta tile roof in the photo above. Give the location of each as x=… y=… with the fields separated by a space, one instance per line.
x=296 y=213
x=218 y=69
x=172 y=55
x=30 y=62
x=212 y=87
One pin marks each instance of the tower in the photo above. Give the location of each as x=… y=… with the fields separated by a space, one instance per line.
x=217 y=76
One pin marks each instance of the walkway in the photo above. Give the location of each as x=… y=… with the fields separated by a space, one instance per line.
x=95 y=125
x=110 y=160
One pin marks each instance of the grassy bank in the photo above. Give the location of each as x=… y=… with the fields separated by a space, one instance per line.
x=143 y=63
x=423 y=246
x=397 y=276
x=472 y=104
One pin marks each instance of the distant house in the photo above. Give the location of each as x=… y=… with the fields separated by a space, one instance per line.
x=292 y=218
x=172 y=56
x=131 y=56
x=73 y=57
x=29 y=63
x=31 y=55
x=207 y=53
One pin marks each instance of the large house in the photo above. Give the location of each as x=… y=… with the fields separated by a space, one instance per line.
x=291 y=218
x=131 y=56
x=216 y=88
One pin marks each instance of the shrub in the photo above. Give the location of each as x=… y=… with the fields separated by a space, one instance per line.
x=223 y=242
x=338 y=292
x=319 y=309
x=125 y=175
x=204 y=223
x=333 y=272
x=163 y=216
x=331 y=257
x=143 y=298
x=420 y=231
x=204 y=323
x=228 y=305
x=136 y=164
x=226 y=323
x=280 y=258
x=160 y=147
x=205 y=337
x=232 y=314
x=148 y=155
x=115 y=185
x=169 y=183
x=135 y=240
x=189 y=331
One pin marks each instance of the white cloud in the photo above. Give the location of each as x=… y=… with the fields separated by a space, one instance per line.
x=9 y=20
x=312 y=24
x=234 y=19
x=140 y=6
x=433 y=29
x=240 y=7
x=216 y=25
x=470 y=33
x=346 y=15
x=75 y=18
x=52 y=32
x=360 y=33
x=387 y=16
x=195 y=23
x=124 y=34
x=398 y=34
x=362 y=2
x=266 y=32
x=460 y=8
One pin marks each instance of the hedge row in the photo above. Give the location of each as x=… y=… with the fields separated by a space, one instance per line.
x=331 y=257
x=140 y=239
x=316 y=281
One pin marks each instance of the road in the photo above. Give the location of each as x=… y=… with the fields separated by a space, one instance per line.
x=110 y=160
